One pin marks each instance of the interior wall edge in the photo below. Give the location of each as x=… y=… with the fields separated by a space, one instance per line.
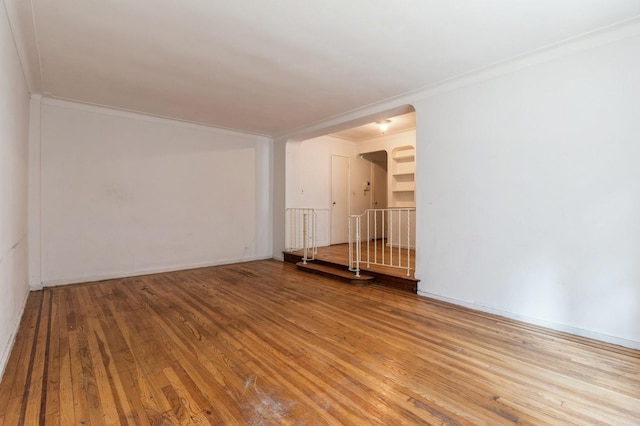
x=8 y=346
x=578 y=44
x=631 y=344
x=34 y=210
x=278 y=197
x=19 y=14
x=264 y=189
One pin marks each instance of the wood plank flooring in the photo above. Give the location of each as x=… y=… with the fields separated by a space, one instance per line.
x=262 y=343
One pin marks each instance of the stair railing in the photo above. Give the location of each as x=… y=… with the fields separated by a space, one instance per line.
x=302 y=224
x=386 y=236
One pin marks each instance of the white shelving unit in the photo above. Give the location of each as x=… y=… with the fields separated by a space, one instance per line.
x=403 y=175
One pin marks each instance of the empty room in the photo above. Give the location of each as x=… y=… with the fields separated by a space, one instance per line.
x=290 y=212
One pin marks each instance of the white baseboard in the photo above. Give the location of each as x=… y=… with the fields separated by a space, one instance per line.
x=535 y=321
x=4 y=358
x=147 y=271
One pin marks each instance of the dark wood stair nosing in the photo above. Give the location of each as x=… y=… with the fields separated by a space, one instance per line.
x=409 y=284
x=334 y=272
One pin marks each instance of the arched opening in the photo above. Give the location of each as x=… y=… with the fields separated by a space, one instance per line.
x=367 y=169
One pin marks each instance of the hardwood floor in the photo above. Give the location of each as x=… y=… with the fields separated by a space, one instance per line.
x=262 y=343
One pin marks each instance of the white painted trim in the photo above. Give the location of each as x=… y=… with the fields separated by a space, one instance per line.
x=278 y=199
x=264 y=189
x=149 y=271
x=139 y=115
x=40 y=75
x=538 y=322
x=593 y=39
x=34 y=193
x=4 y=357
x=600 y=37
x=14 y=10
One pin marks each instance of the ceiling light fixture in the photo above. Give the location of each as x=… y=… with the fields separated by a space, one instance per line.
x=384 y=125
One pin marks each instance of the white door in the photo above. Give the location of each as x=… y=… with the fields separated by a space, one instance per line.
x=339 y=199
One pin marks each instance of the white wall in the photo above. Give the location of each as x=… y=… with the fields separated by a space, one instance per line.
x=125 y=194
x=308 y=177
x=527 y=185
x=529 y=193
x=309 y=170
x=14 y=126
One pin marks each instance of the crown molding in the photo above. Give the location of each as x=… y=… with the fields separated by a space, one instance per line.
x=120 y=112
x=388 y=107
x=22 y=25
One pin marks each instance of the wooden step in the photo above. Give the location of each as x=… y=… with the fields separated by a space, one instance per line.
x=335 y=273
x=381 y=277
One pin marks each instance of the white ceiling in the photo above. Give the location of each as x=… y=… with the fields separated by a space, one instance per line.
x=271 y=67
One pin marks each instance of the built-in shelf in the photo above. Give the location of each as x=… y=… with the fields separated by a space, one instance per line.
x=403 y=180
x=404 y=167
x=403 y=186
x=403 y=158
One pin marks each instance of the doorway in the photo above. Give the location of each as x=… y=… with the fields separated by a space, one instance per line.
x=346 y=176
x=378 y=195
